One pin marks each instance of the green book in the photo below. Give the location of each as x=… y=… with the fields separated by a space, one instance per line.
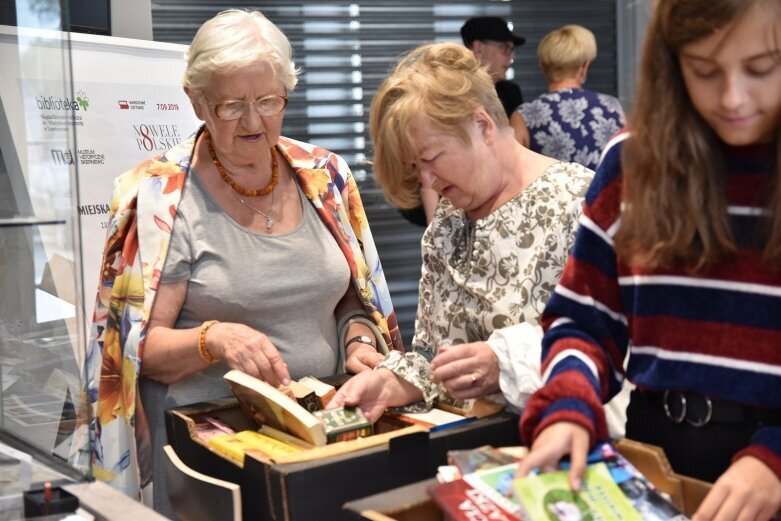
x=548 y=496
x=344 y=423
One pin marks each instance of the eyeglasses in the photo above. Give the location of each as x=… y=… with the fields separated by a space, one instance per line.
x=234 y=109
x=505 y=47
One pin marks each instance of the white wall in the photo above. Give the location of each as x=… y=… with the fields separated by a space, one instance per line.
x=131 y=19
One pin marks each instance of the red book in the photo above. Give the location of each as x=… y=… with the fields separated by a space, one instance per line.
x=459 y=501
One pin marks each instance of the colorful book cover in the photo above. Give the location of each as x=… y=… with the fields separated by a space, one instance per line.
x=459 y=501
x=648 y=501
x=496 y=484
x=547 y=496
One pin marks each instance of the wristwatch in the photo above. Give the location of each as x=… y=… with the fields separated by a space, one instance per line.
x=362 y=339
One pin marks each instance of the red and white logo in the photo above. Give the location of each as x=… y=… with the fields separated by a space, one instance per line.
x=123 y=104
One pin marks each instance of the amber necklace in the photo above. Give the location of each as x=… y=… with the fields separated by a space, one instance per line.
x=269 y=216
x=269 y=188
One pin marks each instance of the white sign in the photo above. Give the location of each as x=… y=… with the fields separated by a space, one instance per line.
x=124 y=100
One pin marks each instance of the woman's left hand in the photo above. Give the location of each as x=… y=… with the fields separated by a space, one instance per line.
x=466 y=370
x=362 y=357
x=748 y=491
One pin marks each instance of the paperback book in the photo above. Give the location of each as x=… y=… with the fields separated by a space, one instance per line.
x=488 y=478
x=547 y=495
x=235 y=446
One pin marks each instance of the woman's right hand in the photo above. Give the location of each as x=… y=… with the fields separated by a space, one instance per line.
x=248 y=350
x=552 y=444
x=375 y=391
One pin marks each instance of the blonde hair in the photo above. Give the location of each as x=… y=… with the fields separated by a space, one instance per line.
x=234 y=39
x=562 y=51
x=674 y=186
x=445 y=83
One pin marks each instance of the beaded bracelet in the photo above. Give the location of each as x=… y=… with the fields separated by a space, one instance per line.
x=206 y=356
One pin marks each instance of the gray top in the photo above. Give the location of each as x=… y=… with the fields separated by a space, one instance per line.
x=299 y=277
x=284 y=285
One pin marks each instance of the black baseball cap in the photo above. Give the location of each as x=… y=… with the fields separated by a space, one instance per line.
x=488 y=28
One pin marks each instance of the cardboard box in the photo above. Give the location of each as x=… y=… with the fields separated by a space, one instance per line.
x=685 y=492
x=318 y=488
x=407 y=503
x=412 y=503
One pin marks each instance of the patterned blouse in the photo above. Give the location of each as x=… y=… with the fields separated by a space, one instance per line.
x=572 y=124
x=480 y=276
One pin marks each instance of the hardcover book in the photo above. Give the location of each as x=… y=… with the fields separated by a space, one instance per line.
x=267 y=405
x=459 y=501
x=496 y=484
x=345 y=423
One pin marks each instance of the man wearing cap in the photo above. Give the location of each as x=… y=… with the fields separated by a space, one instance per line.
x=494 y=46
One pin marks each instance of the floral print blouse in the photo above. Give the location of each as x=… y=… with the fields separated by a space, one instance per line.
x=572 y=124
x=500 y=270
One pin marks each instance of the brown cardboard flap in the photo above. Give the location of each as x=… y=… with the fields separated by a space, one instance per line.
x=407 y=503
x=685 y=492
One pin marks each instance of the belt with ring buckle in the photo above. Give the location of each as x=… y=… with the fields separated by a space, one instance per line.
x=668 y=401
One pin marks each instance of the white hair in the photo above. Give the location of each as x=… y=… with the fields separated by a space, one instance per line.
x=234 y=39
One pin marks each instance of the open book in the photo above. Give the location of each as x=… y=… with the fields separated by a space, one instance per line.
x=269 y=406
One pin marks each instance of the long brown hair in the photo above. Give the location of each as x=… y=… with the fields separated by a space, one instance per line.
x=674 y=193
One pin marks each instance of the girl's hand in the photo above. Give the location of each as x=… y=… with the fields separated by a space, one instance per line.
x=555 y=442
x=748 y=490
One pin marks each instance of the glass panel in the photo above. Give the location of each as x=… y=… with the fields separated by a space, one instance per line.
x=41 y=322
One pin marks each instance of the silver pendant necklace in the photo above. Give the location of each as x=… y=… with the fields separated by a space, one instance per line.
x=269 y=216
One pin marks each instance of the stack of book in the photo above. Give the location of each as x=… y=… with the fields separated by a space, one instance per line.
x=484 y=486
x=290 y=419
x=293 y=419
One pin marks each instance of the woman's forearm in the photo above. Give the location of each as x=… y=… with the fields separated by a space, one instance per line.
x=170 y=355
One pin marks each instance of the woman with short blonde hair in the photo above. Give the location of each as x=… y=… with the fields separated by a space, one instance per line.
x=569 y=122
x=563 y=51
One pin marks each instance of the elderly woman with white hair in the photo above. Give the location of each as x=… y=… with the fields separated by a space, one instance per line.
x=236 y=249
x=569 y=122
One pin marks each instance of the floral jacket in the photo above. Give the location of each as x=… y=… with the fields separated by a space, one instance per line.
x=143 y=206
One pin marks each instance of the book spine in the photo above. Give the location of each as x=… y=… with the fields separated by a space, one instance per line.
x=352 y=434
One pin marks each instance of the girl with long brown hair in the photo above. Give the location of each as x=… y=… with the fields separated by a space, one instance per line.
x=677 y=263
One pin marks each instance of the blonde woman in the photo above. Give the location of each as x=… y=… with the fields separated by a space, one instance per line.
x=495 y=248
x=569 y=122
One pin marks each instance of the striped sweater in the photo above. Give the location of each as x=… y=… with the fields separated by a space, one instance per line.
x=718 y=333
